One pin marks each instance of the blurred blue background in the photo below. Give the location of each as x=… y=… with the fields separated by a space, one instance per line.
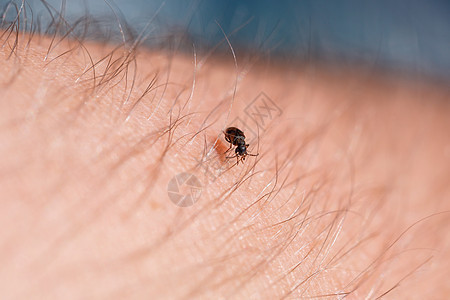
x=411 y=36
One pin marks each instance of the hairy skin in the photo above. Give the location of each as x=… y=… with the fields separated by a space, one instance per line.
x=348 y=196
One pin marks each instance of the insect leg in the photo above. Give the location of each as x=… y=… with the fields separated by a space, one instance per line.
x=231 y=145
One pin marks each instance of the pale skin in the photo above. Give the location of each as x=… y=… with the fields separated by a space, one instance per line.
x=325 y=210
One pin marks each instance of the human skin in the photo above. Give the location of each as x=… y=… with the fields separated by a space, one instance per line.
x=348 y=195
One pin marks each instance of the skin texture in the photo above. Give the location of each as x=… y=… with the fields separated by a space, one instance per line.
x=349 y=194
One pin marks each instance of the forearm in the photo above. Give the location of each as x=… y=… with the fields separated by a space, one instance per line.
x=90 y=142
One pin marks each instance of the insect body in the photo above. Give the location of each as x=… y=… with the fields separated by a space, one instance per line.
x=236 y=137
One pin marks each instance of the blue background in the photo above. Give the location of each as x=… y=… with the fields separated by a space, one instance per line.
x=411 y=36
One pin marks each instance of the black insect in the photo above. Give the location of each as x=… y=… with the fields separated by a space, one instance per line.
x=236 y=137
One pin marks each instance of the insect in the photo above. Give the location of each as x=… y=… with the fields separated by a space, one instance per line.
x=236 y=137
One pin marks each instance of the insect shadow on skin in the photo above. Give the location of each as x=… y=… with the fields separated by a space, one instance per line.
x=236 y=137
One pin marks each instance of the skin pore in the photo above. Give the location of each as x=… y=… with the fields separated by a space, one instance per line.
x=348 y=196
